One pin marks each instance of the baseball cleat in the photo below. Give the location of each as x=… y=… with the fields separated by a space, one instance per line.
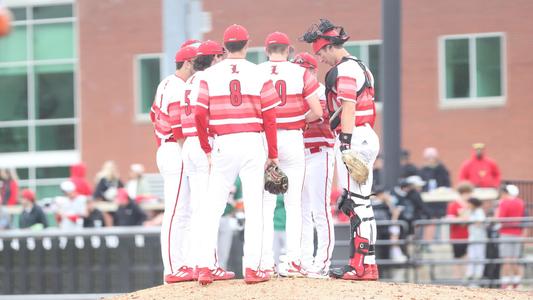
x=183 y=274
x=255 y=276
x=348 y=273
x=205 y=276
x=221 y=274
x=317 y=274
x=291 y=269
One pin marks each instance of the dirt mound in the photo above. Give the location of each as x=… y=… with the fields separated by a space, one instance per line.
x=311 y=289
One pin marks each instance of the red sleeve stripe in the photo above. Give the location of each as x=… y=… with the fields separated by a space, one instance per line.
x=269 y=97
x=310 y=84
x=271 y=106
x=346 y=89
x=203 y=95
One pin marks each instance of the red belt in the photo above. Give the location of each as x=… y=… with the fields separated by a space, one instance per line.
x=315 y=150
x=169 y=140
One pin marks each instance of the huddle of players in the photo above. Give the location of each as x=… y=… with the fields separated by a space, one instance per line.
x=220 y=116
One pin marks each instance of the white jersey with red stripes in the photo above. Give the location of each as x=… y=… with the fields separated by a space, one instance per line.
x=294 y=85
x=236 y=92
x=350 y=80
x=165 y=111
x=318 y=134
x=188 y=104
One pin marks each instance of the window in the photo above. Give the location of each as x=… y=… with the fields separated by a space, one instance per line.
x=369 y=53
x=38 y=121
x=472 y=70
x=148 y=75
x=256 y=55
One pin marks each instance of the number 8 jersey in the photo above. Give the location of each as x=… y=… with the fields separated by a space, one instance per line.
x=293 y=84
x=236 y=94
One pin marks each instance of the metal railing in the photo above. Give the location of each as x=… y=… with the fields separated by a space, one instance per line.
x=419 y=261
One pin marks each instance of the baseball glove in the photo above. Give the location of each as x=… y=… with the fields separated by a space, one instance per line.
x=276 y=182
x=356 y=166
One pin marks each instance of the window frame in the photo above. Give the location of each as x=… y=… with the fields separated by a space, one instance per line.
x=261 y=53
x=141 y=117
x=33 y=159
x=364 y=44
x=473 y=101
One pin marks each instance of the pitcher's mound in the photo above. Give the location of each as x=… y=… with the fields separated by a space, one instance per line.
x=310 y=289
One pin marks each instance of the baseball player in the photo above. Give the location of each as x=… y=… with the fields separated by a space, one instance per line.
x=350 y=101
x=319 y=167
x=196 y=167
x=297 y=89
x=237 y=102
x=167 y=127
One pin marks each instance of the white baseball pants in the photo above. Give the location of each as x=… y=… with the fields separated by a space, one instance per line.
x=316 y=209
x=196 y=170
x=176 y=217
x=242 y=154
x=292 y=162
x=366 y=142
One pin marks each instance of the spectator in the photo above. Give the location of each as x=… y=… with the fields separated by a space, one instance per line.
x=4 y=217
x=72 y=207
x=480 y=170
x=228 y=224
x=32 y=215
x=128 y=212
x=77 y=176
x=108 y=182
x=434 y=172
x=510 y=206
x=476 y=232
x=9 y=189
x=94 y=218
x=137 y=186
x=407 y=168
x=412 y=206
x=376 y=172
x=383 y=211
x=459 y=232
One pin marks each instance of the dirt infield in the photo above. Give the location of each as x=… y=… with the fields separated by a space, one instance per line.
x=311 y=289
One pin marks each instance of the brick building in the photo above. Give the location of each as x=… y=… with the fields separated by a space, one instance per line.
x=77 y=77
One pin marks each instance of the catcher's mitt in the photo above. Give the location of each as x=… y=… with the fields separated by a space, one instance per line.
x=356 y=166
x=276 y=182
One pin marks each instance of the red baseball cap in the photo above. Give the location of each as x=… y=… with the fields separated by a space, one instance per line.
x=305 y=60
x=186 y=53
x=277 y=38
x=191 y=42
x=321 y=42
x=235 y=33
x=210 y=48
x=28 y=194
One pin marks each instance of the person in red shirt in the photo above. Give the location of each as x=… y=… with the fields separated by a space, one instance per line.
x=77 y=176
x=457 y=210
x=510 y=206
x=480 y=170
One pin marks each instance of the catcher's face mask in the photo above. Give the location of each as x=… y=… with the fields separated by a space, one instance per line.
x=324 y=33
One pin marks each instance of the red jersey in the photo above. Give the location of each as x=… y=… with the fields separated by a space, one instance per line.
x=318 y=134
x=165 y=112
x=511 y=208
x=457 y=231
x=294 y=84
x=352 y=81
x=235 y=96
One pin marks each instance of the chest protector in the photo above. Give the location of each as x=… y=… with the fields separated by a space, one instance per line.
x=365 y=108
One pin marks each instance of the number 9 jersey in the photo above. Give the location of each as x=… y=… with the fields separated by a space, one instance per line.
x=294 y=84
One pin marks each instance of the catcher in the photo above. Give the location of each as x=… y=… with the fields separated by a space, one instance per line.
x=350 y=102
